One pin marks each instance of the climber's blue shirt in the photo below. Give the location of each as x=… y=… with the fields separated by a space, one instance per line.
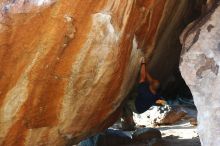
x=145 y=98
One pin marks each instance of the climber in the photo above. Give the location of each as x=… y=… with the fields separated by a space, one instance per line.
x=141 y=100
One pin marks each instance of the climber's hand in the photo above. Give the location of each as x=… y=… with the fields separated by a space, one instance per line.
x=161 y=102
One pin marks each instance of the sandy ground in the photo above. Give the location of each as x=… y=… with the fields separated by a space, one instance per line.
x=182 y=134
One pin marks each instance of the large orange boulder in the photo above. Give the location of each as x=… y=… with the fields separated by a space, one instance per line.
x=66 y=66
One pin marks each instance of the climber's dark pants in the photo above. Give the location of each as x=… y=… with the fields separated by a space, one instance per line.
x=144 y=100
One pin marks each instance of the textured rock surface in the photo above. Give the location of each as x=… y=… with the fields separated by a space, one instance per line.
x=65 y=66
x=200 y=69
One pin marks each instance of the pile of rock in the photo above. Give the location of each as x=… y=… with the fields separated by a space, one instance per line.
x=111 y=137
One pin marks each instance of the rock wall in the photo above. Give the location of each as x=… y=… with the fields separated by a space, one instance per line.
x=66 y=66
x=200 y=69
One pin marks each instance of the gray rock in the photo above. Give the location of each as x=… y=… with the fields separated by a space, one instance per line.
x=146 y=134
x=200 y=68
x=108 y=138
